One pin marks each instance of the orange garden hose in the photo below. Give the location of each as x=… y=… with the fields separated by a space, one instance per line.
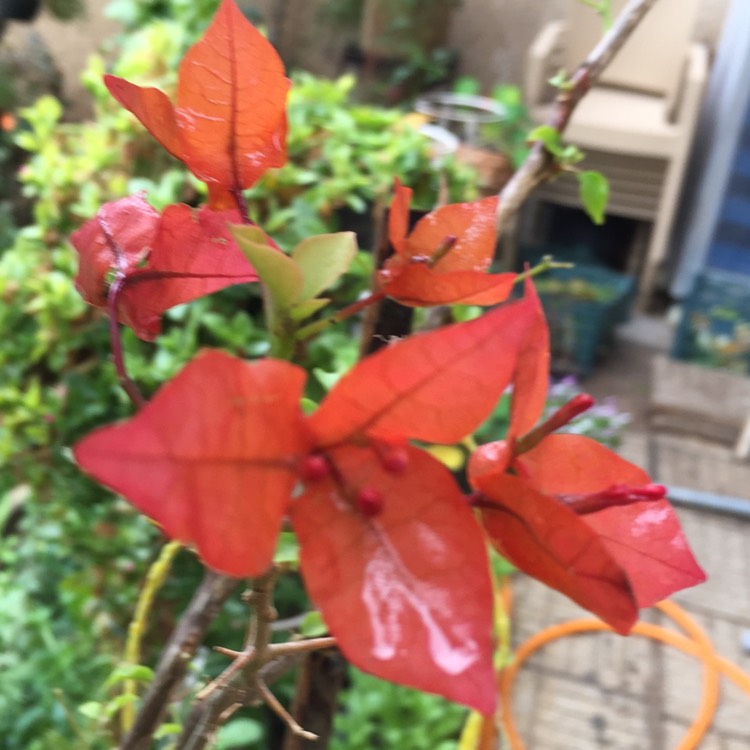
x=696 y=643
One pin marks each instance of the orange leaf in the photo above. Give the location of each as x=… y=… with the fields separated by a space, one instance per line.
x=418 y=285
x=446 y=257
x=229 y=123
x=231 y=99
x=471 y=225
x=398 y=216
x=153 y=108
x=211 y=457
x=406 y=592
x=436 y=386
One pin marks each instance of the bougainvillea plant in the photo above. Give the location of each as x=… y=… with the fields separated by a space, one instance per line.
x=393 y=551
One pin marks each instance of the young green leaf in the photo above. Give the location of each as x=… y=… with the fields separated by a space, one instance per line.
x=322 y=260
x=279 y=273
x=550 y=137
x=594 y=191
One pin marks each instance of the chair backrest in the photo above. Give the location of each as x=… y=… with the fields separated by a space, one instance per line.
x=652 y=58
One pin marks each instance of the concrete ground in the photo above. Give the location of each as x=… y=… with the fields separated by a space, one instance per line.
x=603 y=691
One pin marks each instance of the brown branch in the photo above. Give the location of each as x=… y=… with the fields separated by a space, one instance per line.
x=208 y=599
x=540 y=165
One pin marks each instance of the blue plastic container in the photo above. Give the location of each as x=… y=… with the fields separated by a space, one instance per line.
x=714 y=328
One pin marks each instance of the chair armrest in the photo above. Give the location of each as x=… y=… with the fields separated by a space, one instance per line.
x=688 y=97
x=540 y=62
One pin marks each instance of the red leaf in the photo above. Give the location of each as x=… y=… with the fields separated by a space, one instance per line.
x=547 y=540
x=648 y=543
x=437 y=386
x=644 y=538
x=406 y=591
x=574 y=464
x=490 y=458
x=194 y=254
x=531 y=379
x=229 y=124
x=118 y=238
x=211 y=458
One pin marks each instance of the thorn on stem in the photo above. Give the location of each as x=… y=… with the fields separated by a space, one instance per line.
x=273 y=703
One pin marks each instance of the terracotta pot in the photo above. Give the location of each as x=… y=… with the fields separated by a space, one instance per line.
x=493 y=169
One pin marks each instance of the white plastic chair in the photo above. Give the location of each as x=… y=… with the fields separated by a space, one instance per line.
x=636 y=125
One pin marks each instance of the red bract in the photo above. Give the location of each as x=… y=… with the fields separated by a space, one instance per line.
x=229 y=121
x=390 y=548
x=212 y=458
x=118 y=240
x=446 y=257
x=573 y=513
x=405 y=590
x=162 y=261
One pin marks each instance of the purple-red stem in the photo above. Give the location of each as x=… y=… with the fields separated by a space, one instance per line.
x=115 y=338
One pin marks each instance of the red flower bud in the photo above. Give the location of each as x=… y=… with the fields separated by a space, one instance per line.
x=314 y=468
x=395 y=460
x=565 y=414
x=370 y=502
x=617 y=494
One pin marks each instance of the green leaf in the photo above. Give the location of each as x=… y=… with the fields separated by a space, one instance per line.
x=312 y=625
x=287 y=549
x=307 y=308
x=571 y=155
x=467 y=85
x=91 y=709
x=323 y=259
x=278 y=272
x=130 y=672
x=165 y=730
x=239 y=733
x=308 y=406
x=594 y=191
x=550 y=137
x=560 y=80
x=117 y=703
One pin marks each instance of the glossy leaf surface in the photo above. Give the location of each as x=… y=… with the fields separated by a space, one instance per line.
x=547 y=540
x=647 y=541
x=407 y=592
x=211 y=457
x=437 y=386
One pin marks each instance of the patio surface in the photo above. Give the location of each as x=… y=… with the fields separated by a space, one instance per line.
x=601 y=691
